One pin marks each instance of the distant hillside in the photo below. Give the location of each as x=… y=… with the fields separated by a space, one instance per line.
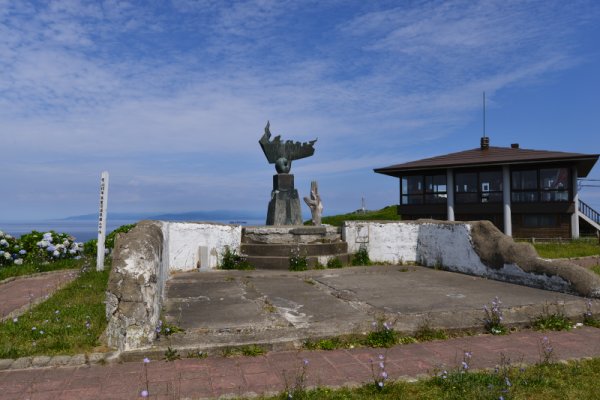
x=185 y=216
x=385 y=214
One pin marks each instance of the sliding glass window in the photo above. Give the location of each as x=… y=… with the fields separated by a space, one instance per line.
x=423 y=189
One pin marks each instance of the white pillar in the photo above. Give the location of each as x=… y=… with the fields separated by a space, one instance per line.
x=506 y=200
x=575 y=215
x=102 y=221
x=450 y=193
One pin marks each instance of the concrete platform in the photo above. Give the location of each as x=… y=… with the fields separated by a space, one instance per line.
x=281 y=309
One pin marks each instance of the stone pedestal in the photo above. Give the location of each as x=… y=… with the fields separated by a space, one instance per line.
x=284 y=207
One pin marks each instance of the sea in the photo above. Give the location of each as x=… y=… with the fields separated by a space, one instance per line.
x=84 y=230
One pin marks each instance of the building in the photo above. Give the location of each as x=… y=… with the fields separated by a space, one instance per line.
x=525 y=193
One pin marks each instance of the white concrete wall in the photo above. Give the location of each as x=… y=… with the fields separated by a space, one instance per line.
x=192 y=244
x=446 y=245
x=393 y=243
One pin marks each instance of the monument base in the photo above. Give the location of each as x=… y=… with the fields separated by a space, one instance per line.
x=284 y=207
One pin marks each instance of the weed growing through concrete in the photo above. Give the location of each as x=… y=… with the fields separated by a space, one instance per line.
x=334 y=262
x=426 y=333
x=382 y=335
x=555 y=321
x=361 y=257
x=298 y=262
x=231 y=260
x=492 y=320
x=249 y=351
x=196 y=354
x=166 y=329
x=588 y=316
x=171 y=354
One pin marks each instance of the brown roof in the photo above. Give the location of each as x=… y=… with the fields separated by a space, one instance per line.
x=493 y=156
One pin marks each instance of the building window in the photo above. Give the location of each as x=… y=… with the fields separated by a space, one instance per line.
x=466 y=187
x=478 y=187
x=539 y=220
x=490 y=183
x=546 y=184
x=435 y=189
x=412 y=189
x=423 y=189
x=554 y=184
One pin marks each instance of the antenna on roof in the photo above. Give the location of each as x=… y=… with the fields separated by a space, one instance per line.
x=485 y=141
x=484 y=114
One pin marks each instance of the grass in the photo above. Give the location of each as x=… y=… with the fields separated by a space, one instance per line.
x=69 y=322
x=28 y=269
x=574 y=380
x=385 y=214
x=574 y=248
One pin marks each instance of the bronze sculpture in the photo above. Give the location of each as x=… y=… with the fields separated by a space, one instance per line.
x=283 y=153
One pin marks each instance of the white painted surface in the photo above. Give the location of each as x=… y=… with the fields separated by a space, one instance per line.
x=575 y=215
x=102 y=221
x=450 y=193
x=446 y=245
x=506 y=200
x=189 y=245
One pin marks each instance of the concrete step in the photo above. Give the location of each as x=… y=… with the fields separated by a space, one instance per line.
x=283 y=262
x=285 y=250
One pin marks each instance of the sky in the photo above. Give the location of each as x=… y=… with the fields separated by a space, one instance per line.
x=171 y=97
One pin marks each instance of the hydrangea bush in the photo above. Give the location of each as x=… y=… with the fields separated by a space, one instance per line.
x=38 y=247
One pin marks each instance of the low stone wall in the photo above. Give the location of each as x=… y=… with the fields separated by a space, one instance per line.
x=135 y=287
x=142 y=260
x=476 y=248
x=198 y=245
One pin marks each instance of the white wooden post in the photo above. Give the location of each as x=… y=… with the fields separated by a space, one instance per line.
x=450 y=193
x=506 y=200
x=102 y=221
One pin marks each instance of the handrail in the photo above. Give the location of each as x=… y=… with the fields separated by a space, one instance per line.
x=589 y=212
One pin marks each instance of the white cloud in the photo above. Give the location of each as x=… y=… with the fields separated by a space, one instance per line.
x=117 y=83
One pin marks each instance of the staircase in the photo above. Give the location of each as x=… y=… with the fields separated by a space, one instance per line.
x=589 y=215
x=271 y=247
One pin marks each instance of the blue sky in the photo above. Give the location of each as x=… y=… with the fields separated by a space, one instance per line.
x=172 y=97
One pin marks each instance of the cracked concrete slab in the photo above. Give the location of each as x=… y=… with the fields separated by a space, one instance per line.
x=281 y=309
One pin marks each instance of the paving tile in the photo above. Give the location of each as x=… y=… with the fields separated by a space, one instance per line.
x=262 y=379
x=255 y=367
x=46 y=395
x=234 y=383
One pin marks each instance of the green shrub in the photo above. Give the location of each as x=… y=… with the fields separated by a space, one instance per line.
x=361 y=257
x=552 y=322
x=298 y=263
x=231 y=260
x=382 y=336
x=334 y=262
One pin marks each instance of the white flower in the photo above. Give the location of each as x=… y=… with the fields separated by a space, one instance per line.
x=65 y=242
x=8 y=236
x=44 y=243
x=56 y=253
x=7 y=255
x=3 y=242
x=19 y=261
x=21 y=252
